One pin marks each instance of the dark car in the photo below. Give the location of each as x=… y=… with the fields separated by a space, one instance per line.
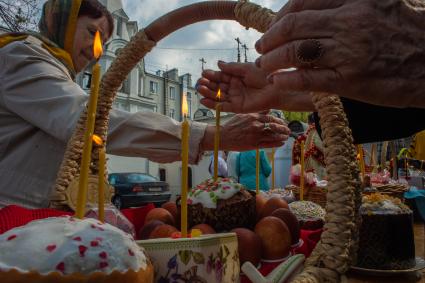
x=137 y=189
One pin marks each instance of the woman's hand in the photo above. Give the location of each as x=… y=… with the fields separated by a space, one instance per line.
x=248 y=131
x=373 y=51
x=245 y=89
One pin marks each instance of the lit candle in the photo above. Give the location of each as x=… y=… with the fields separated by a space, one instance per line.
x=217 y=135
x=91 y=115
x=257 y=170
x=185 y=165
x=302 y=172
x=101 y=177
x=361 y=160
x=273 y=175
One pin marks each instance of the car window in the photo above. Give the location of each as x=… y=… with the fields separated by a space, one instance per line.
x=140 y=178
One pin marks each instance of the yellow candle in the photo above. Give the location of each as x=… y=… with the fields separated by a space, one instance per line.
x=101 y=178
x=361 y=160
x=91 y=115
x=302 y=172
x=185 y=165
x=273 y=176
x=257 y=170
x=217 y=135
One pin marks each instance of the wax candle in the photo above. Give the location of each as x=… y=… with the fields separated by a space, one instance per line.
x=185 y=166
x=302 y=171
x=101 y=178
x=217 y=135
x=273 y=175
x=89 y=127
x=257 y=170
x=361 y=160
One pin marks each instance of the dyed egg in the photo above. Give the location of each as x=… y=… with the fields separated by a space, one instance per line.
x=249 y=246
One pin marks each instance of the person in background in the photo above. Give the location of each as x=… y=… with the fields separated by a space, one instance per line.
x=232 y=157
x=222 y=165
x=314 y=151
x=246 y=169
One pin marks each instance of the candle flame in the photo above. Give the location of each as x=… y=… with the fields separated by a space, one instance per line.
x=97 y=46
x=218 y=94
x=97 y=140
x=185 y=108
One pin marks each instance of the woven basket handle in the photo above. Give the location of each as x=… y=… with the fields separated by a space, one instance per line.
x=333 y=254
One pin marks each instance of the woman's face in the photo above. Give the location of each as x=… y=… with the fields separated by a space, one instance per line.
x=82 y=52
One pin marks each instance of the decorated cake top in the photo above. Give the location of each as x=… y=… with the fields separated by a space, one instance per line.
x=210 y=191
x=377 y=203
x=69 y=245
x=306 y=210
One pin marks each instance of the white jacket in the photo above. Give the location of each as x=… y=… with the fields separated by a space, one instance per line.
x=39 y=108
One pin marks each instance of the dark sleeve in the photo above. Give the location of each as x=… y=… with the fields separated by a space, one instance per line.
x=371 y=123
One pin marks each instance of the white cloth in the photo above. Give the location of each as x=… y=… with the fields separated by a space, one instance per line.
x=232 y=158
x=39 y=108
x=222 y=165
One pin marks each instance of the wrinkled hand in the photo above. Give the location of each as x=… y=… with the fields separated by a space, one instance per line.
x=374 y=51
x=247 y=131
x=245 y=89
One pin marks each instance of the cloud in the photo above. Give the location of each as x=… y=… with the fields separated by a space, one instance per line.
x=212 y=40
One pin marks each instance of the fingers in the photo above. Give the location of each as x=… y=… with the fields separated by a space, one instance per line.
x=294 y=6
x=285 y=56
x=325 y=80
x=216 y=76
x=233 y=68
x=296 y=26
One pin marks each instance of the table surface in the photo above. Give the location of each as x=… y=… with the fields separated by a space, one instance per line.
x=419 y=229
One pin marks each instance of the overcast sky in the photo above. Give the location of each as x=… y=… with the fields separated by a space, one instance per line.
x=198 y=38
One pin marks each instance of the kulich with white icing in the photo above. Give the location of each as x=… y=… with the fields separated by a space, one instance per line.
x=209 y=192
x=377 y=203
x=69 y=245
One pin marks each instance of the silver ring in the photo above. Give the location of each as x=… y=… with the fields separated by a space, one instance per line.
x=267 y=127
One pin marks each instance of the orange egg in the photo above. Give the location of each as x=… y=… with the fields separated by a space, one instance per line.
x=172 y=208
x=147 y=229
x=275 y=237
x=160 y=214
x=162 y=231
x=249 y=246
x=271 y=205
x=291 y=221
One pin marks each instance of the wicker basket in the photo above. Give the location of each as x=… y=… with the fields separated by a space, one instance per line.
x=314 y=194
x=335 y=251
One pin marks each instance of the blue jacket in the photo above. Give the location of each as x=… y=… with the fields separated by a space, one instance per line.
x=246 y=165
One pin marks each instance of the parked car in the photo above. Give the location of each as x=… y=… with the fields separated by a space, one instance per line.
x=137 y=189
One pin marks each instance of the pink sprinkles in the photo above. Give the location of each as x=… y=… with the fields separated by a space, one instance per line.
x=82 y=249
x=94 y=243
x=11 y=237
x=103 y=264
x=51 y=248
x=103 y=255
x=77 y=239
x=61 y=266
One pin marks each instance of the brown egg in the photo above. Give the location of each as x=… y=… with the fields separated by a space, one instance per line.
x=205 y=229
x=161 y=214
x=172 y=208
x=275 y=237
x=162 y=231
x=260 y=200
x=291 y=221
x=249 y=246
x=147 y=229
x=271 y=205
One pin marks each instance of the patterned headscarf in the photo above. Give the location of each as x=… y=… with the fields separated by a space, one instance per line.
x=57 y=30
x=58 y=22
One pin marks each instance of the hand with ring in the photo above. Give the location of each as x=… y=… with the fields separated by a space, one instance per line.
x=248 y=131
x=367 y=50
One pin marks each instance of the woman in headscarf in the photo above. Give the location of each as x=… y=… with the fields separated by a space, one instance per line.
x=40 y=105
